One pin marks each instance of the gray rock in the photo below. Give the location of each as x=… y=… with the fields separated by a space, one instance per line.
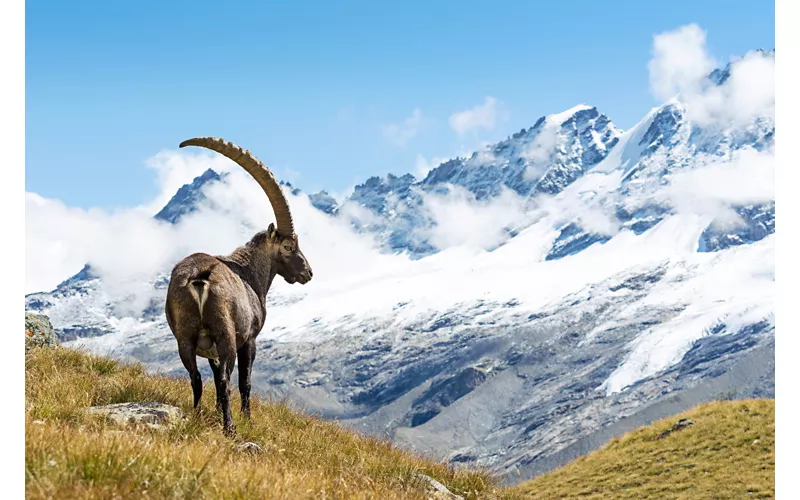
x=679 y=425
x=149 y=414
x=436 y=488
x=250 y=448
x=39 y=332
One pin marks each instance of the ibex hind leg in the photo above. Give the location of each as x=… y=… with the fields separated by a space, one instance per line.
x=246 y=355
x=216 y=370
x=186 y=351
x=227 y=358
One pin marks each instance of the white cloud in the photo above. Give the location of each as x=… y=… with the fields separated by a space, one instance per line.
x=358 y=214
x=584 y=208
x=748 y=93
x=486 y=154
x=287 y=174
x=680 y=67
x=176 y=168
x=711 y=189
x=423 y=166
x=680 y=61
x=541 y=150
x=461 y=220
x=401 y=133
x=483 y=116
x=128 y=248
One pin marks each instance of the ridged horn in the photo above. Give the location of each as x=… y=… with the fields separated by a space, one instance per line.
x=262 y=175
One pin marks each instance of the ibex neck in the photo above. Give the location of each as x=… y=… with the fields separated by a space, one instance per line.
x=253 y=263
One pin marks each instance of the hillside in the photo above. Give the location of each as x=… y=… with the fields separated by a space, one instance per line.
x=70 y=455
x=728 y=451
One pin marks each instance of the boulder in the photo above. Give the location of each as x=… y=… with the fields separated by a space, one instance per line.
x=153 y=415
x=39 y=332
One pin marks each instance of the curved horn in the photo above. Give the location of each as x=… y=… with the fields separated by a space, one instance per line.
x=260 y=173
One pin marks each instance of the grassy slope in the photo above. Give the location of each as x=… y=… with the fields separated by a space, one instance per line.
x=68 y=455
x=729 y=452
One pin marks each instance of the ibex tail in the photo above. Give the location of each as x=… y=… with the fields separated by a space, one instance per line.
x=198 y=287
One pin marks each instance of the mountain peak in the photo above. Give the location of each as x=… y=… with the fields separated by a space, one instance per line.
x=575 y=112
x=187 y=198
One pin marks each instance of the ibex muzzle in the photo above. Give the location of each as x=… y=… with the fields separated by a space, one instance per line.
x=216 y=305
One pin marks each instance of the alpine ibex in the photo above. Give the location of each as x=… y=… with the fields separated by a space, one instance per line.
x=216 y=305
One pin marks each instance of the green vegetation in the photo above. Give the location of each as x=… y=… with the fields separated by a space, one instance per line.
x=728 y=452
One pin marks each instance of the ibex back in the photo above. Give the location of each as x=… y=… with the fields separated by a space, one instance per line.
x=216 y=305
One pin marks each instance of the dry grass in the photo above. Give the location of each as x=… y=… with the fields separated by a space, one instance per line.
x=729 y=452
x=69 y=455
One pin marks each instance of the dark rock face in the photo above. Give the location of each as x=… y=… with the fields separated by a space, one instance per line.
x=663 y=128
x=444 y=392
x=39 y=332
x=68 y=333
x=188 y=198
x=565 y=152
x=85 y=274
x=324 y=202
x=642 y=218
x=757 y=222
x=585 y=126
x=572 y=240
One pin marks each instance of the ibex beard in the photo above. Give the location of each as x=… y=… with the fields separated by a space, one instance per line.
x=216 y=305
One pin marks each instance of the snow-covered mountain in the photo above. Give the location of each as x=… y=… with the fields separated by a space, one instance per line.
x=630 y=278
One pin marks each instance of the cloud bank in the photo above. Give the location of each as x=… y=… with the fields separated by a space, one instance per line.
x=128 y=248
x=461 y=220
x=681 y=66
x=481 y=117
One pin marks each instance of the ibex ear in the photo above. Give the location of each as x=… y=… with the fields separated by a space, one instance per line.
x=271 y=233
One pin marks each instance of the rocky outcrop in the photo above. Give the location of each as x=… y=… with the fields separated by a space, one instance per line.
x=39 y=332
x=443 y=393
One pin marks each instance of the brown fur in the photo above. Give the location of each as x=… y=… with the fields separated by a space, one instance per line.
x=233 y=291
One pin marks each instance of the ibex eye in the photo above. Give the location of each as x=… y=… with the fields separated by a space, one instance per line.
x=287 y=248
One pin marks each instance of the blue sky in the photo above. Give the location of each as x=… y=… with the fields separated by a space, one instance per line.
x=313 y=88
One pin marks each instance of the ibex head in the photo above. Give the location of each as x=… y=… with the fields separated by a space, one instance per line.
x=281 y=239
x=289 y=259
